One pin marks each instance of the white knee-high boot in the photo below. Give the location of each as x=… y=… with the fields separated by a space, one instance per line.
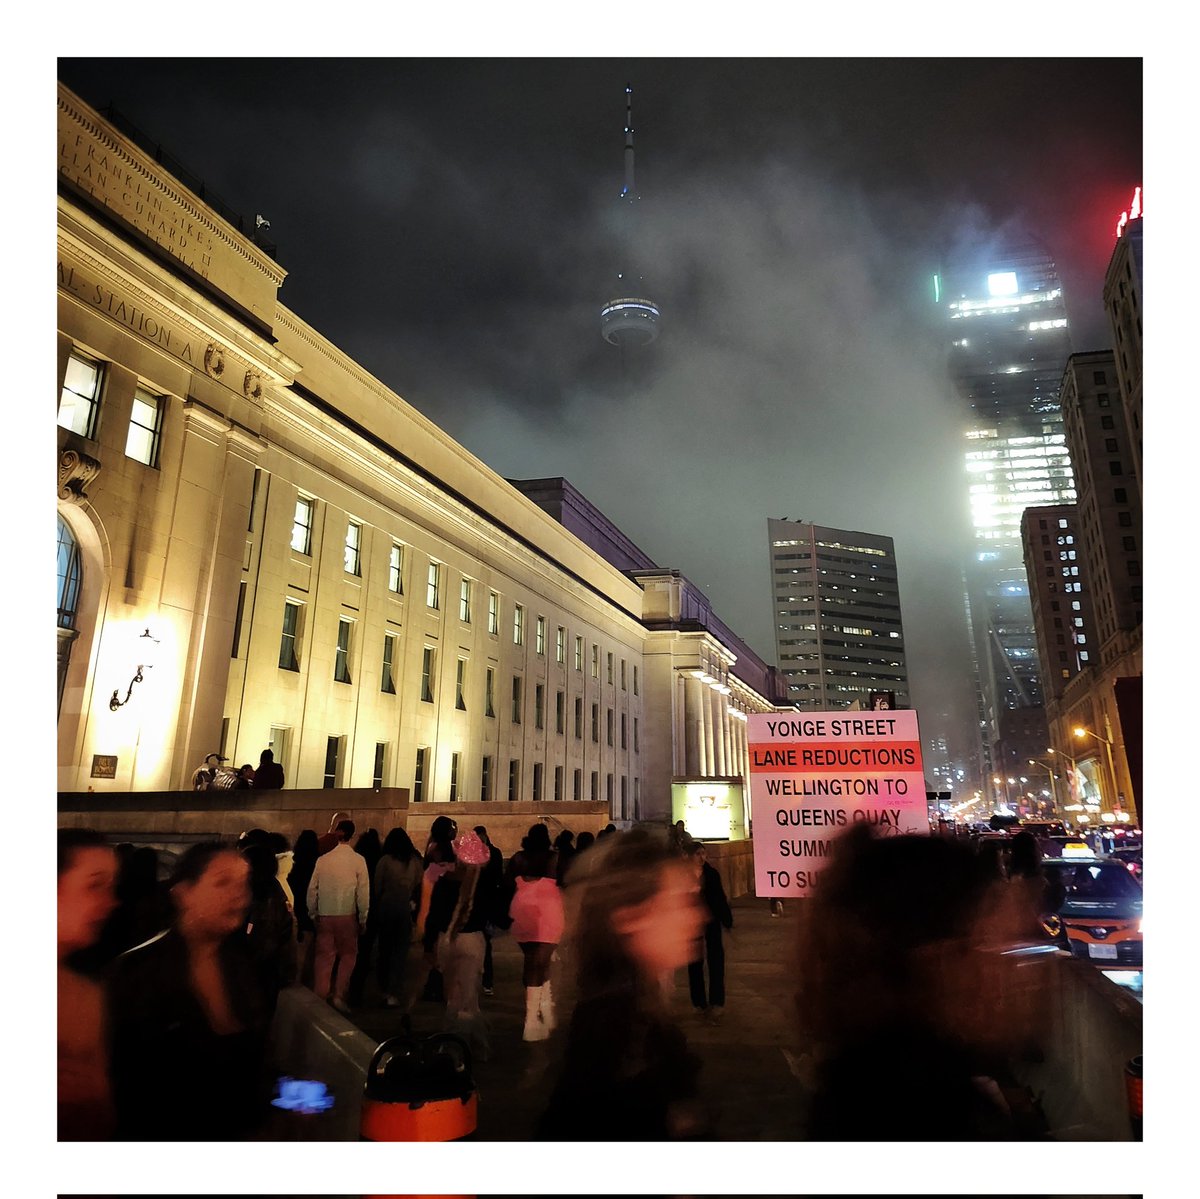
x=546 y=1006
x=535 y=1030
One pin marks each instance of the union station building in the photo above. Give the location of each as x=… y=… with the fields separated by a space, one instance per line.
x=260 y=545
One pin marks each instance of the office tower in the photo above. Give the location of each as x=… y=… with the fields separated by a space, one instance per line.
x=630 y=318
x=1008 y=339
x=838 y=632
x=1123 y=302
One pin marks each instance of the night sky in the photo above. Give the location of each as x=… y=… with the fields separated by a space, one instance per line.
x=453 y=225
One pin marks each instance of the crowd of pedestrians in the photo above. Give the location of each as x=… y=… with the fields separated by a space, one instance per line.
x=167 y=987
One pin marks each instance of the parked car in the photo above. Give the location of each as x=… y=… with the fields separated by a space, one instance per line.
x=1097 y=909
x=1131 y=857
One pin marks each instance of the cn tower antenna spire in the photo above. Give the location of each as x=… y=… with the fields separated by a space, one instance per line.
x=630 y=319
x=629 y=191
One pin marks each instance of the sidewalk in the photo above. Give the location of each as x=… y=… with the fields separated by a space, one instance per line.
x=751 y=1059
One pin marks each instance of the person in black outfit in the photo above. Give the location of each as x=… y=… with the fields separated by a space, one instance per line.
x=491 y=886
x=717 y=916
x=269 y=924
x=187 y=1015
x=627 y=1072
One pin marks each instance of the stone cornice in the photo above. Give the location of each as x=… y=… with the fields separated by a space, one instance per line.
x=134 y=160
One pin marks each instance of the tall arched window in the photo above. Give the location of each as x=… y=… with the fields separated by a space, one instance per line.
x=70 y=575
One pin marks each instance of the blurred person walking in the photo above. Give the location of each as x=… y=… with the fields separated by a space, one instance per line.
x=188 y=1015
x=87 y=875
x=627 y=1072
x=369 y=848
x=269 y=924
x=491 y=883
x=899 y=979
x=304 y=861
x=339 y=898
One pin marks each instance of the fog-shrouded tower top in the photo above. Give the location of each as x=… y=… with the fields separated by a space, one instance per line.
x=630 y=319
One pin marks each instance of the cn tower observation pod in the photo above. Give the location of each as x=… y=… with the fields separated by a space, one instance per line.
x=630 y=321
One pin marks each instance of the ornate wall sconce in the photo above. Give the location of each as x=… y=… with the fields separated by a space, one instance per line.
x=147 y=645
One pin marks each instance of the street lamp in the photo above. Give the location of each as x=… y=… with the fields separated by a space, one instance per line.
x=1053 y=791
x=1113 y=804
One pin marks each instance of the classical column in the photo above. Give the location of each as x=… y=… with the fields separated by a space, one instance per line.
x=694 y=730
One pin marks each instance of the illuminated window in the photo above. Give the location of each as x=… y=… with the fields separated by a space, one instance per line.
x=464 y=601
x=341 y=657
x=560 y=645
x=288 y=657
x=433 y=586
x=79 y=404
x=145 y=425
x=351 y=560
x=427 y=660
x=388 y=682
x=489 y=693
x=540 y=635
x=595 y=661
x=493 y=613
x=302 y=525
x=578 y=653
x=460 y=686
x=418 y=791
x=396 y=568
x=518 y=625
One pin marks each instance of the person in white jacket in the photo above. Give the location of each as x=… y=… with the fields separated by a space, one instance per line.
x=339 y=897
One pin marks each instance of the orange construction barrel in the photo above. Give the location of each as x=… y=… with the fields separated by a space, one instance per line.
x=419 y=1089
x=1133 y=1094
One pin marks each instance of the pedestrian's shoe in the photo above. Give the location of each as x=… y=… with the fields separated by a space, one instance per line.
x=535 y=1030
x=340 y=1004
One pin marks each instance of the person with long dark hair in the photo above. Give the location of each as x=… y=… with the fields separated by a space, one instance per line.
x=397 y=885
x=188 y=1016
x=437 y=860
x=304 y=859
x=369 y=848
x=269 y=924
x=627 y=1073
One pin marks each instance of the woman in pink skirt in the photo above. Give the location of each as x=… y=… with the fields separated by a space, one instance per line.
x=536 y=910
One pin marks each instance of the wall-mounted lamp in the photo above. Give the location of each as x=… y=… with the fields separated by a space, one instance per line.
x=146 y=646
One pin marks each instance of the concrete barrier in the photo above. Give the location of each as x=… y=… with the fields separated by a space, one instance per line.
x=1093 y=1027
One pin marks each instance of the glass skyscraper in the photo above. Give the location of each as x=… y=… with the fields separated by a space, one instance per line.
x=1009 y=341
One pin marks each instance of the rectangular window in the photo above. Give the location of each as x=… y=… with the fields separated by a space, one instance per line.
x=558 y=784
x=623 y=674
x=279 y=742
x=518 y=625
x=560 y=645
x=289 y=658
x=1120 y=495
x=537 y=782
x=1098 y=377
x=302 y=524
x=380 y=762
x=433 y=586
x=460 y=686
x=579 y=720
x=577 y=785
x=455 y=762
x=387 y=680
x=493 y=613
x=516 y=699
x=79 y=403
x=1125 y=519
x=253 y=499
x=464 y=601
x=1114 y=468
x=514 y=780
x=623 y=725
x=485 y=779
x=539 y=706
x=341 y=657
x=237 y=618
x=351 y=562
x=635 y=679
x=578 y=653
x=333 y=761
x=624 y=796
x=418 y=791
x=635 y=735
x=540 y=637
x=608 y=790
x=1110 y=445
x=595 y=661
x=145 y=428
x=489 y=692
x=560 y=711
x=609 y=676
x=427 y=657
x=595 y=793
x=1102 y=400
x=608 y=726
x=596 y=723
x=1106 y=422
x=1129 y=543
x=396 y=569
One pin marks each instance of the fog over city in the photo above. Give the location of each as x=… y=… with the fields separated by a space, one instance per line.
x=454 y=226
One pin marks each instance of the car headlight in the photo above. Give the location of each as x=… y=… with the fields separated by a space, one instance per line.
x=1139 y=927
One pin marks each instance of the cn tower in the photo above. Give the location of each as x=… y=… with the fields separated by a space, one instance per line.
x=630 y=319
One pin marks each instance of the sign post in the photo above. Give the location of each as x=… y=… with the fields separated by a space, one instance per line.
x=814 y=774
